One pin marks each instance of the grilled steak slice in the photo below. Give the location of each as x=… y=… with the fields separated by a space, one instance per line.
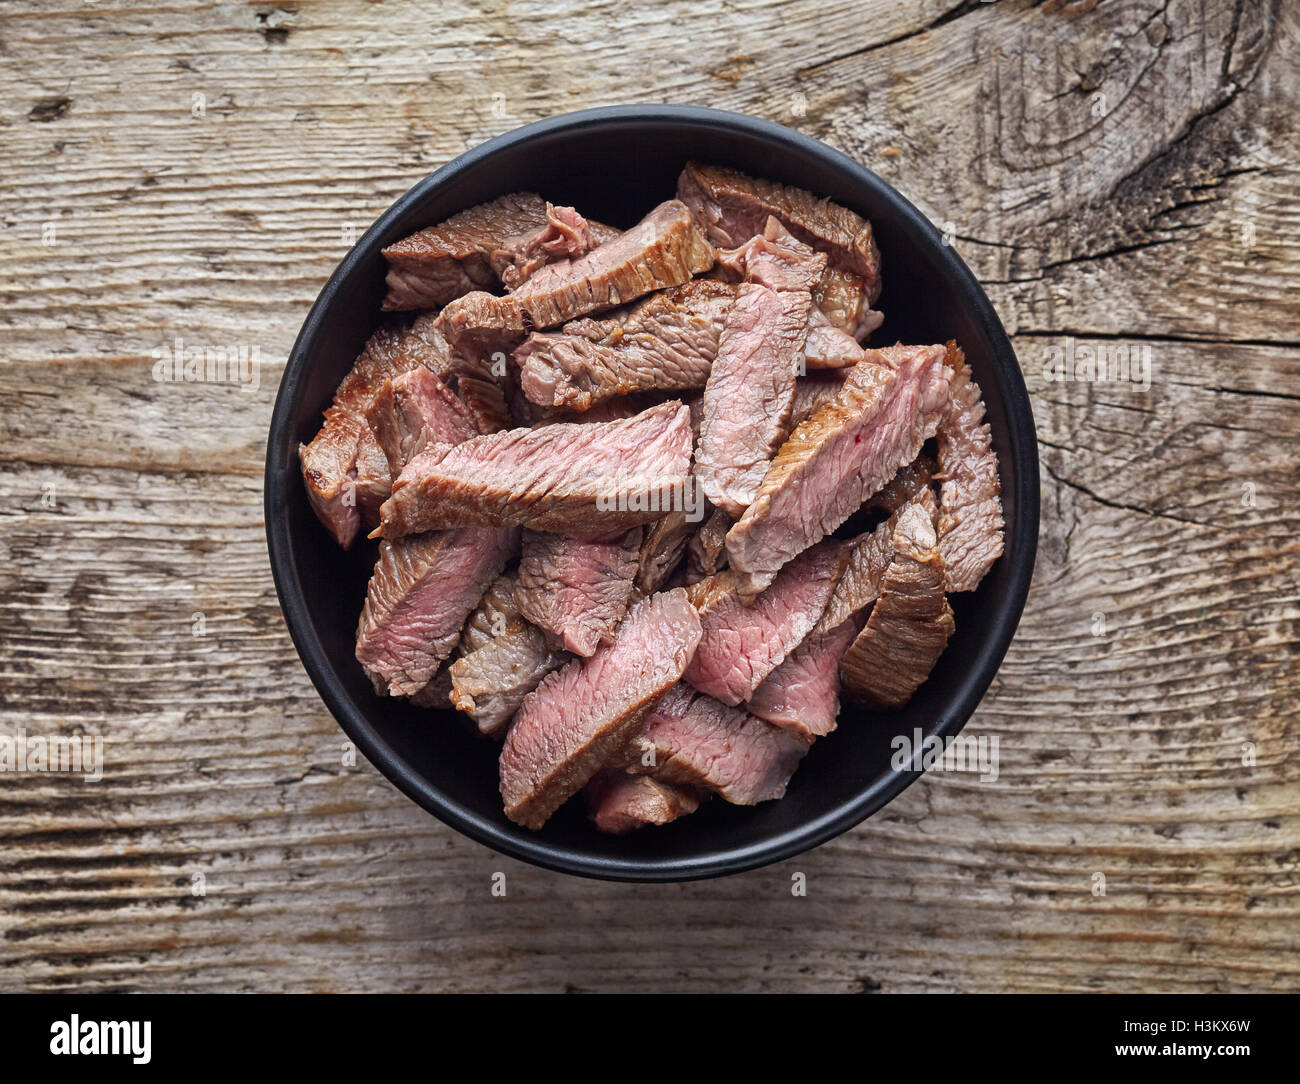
x=413 y=410
x=499 y=665
x=581 y=479
x=842 y=298
x=802 y=695
x=336 y=482
x=868 y=560
x=970 y=504
x=665 y=249
x=662 y=551
x=778 y=261
x=495 y=615
x=732 y=208
x=502 y=659
x=708 y=546
x=438 y=264
x=690 y=739
x=813 y=391
x=419 y=596
x=618 y=803
x=577 y=589
x=835 y=459
x=826 y=346
x=585 y=712
x=750 y=393
x=373 y=482
x=666 y=342
x=489 y=684
x=475 y=370
x=412 y=611
x=903 y=487
x=742 y=644
x=486 y=402
x=775 y=259
x=564 y=235
x=869 y=556
x=480 y=367
x=910 y=622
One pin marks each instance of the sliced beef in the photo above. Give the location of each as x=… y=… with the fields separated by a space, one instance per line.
x=868 y=560
x=564 y=235
x=495 y=615
x=839 y=318
x=580 y=479
x=438 y=264
x=423 y=585
x=413 y=410
x=750 y=393
x=869 y=556
x=813 y=391
x=732 y=208
x=742 y=644
x=910 y=622
x=420 y=593
x=619 y=803
x=502 y=659
x=664 y=249
x=837 y=458
x=662 y=551
x=372 y=480
x=476 y=370
x=775 y=259
x=489 y=684
x=970 y=502
x=480 y=374
x=826 y=346
x=707 y=548
x=585 y=712
x=841 y=296
x=903 y=487
x=690 y=739
x=343 y=466
x=426 y=337
x=666 y=342
x=749 y=397
x=485 y=399
x=802 y=695
x=577 y=589
x=607 y=410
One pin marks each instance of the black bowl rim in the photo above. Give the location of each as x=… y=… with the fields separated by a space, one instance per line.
x=1020 y=549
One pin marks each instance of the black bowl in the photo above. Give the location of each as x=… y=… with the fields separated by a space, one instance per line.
x=614 y=165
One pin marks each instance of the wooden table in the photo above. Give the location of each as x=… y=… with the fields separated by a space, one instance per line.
x=1121 y=175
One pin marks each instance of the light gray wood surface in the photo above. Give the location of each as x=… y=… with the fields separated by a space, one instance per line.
x=1120 y=173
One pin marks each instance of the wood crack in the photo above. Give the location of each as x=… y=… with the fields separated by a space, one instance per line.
x=961 y=9
x=1121 y=506
x=1143 y=336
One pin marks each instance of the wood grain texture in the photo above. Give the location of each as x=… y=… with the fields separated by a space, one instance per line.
x=1119 y=174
